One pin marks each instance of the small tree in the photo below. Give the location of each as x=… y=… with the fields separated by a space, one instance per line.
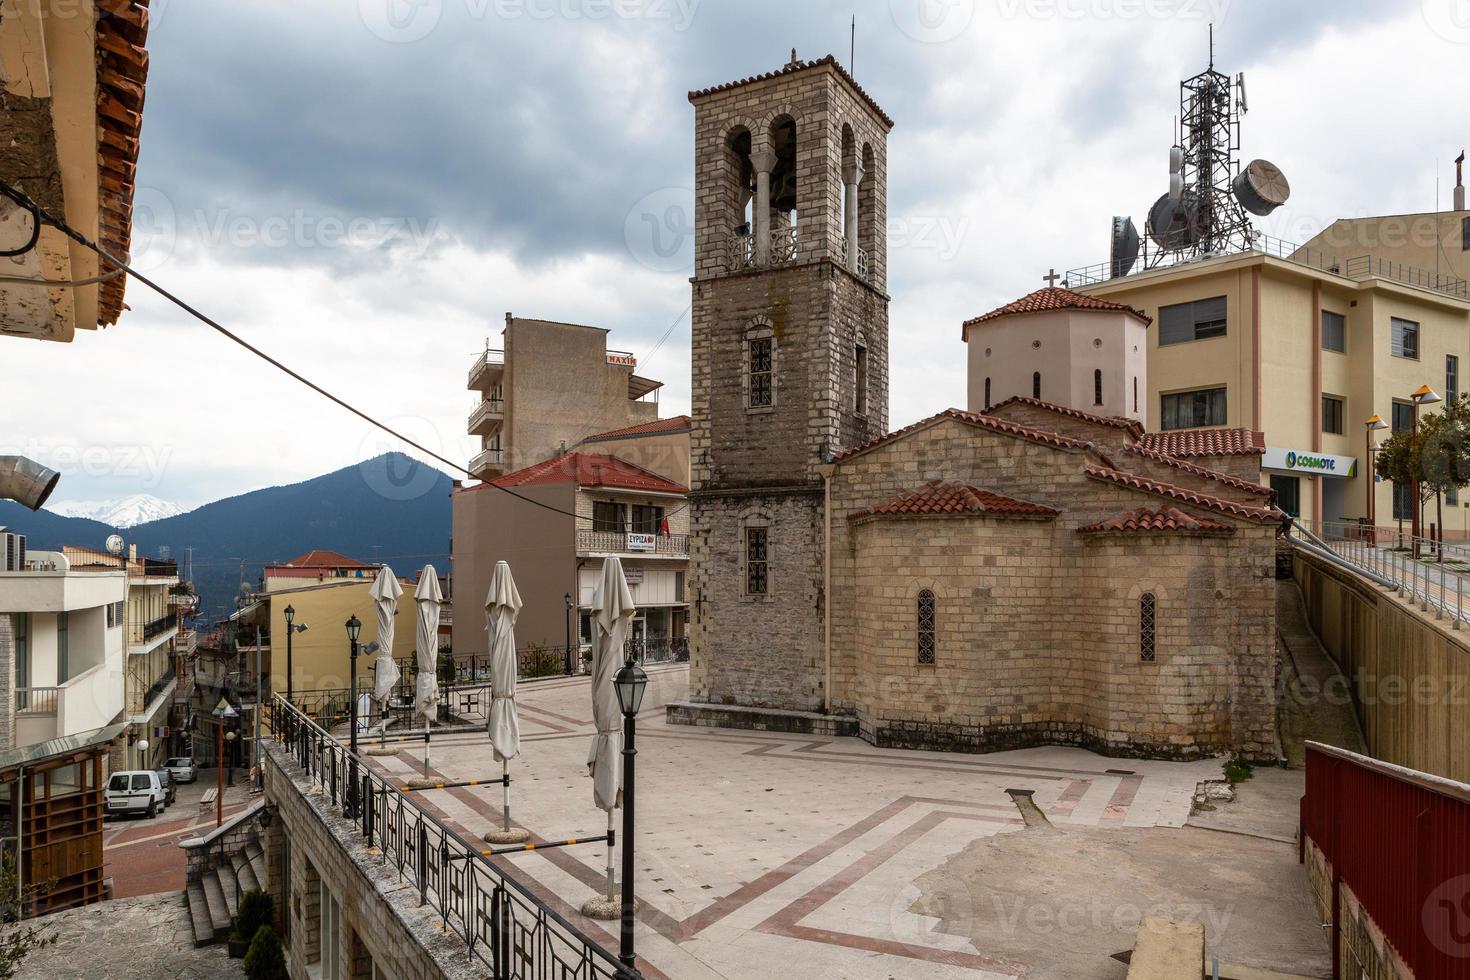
x=1438 y=455
x=17 y=939
x=256 y=911
x=266 y=959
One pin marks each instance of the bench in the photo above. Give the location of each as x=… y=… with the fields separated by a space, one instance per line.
x=207 y=800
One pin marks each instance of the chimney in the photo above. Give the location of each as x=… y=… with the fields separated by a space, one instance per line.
x=1460 y=181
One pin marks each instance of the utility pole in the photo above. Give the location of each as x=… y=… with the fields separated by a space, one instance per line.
x=259 y=769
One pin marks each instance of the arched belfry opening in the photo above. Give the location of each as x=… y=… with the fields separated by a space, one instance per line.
x=739 y=195
x=852 y=175
x=864 y=221
x=783 y=193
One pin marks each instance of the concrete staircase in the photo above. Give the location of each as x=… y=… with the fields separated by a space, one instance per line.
x=223 y=865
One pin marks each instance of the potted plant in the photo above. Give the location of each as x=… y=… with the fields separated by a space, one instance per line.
x=266 y=959
x=255 y=913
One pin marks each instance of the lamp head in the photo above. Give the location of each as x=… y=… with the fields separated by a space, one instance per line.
x=1425 y=395
x=354 y=627
x=290 y=613
x=1375 y=422
x=630 y=683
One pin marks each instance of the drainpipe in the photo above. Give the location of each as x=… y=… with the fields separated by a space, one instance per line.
x=827 y=589
x=26 y=481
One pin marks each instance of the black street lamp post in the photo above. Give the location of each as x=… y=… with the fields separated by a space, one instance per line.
x=291 y=628
x=631 y=683
x=354 y=627
x=568 y=600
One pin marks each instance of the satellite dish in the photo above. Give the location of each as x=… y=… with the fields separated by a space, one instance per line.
x=1174 y=224
x=1261 y=187
x=114 y=544
x=1123 y=247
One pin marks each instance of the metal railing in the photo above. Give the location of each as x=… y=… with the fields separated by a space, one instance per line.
x=505 y=925
x=138 y=703
x=37 y=700
x=1356 y=267
x=488 y=358
x=1423 y=570
x=485 y=409
x=487 y=459
x=161 y=625
x=633 y=543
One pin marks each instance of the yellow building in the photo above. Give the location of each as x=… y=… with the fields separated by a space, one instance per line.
x=1303 y=351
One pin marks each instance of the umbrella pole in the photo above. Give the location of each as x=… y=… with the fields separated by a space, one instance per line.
x=611 y=888
x=505 y=772
x=426 y=748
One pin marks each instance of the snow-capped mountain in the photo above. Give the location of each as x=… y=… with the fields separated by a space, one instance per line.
x=139 y=508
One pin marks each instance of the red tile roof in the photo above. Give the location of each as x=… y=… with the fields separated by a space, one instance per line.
x=1244 y=486
x=1261 y=514
x=1145 y=521
x=659 y=427
x=588 y=470
x=938 y=497
x=120 y=47
x=1128 y=425
x=979 y=421
x=791 y=69
x=317 y=558
x=1184 y=443
x=1053 y=298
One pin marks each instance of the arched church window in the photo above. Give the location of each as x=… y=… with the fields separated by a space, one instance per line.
x=762 y=363
x=1097 y=387
x=1035 y=384
x=1146 y=627
x=757 y=559
x=924 y=622
x=1135 y=393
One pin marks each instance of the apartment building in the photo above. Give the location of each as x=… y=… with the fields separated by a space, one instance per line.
x=62 y=645
x=638 y=513
x=73 y=76
x=546 y=388
x=1302 y=347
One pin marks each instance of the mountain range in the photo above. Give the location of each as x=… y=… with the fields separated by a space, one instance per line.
x=389 y=508
x=130 y=511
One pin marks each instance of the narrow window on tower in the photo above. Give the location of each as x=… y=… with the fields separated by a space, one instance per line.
x=756 y=558
x=1097 y=387
x=1135 y=393
x=860 y=370
x=987 y=393
x=1035 y=384
x=760 y=372
x=1146 y=635
x=924 y=626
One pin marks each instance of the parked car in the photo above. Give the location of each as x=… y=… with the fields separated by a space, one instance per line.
x=170 y=787
x=182 y=768
x=133 y=791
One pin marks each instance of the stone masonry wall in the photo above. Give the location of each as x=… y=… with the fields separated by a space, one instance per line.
x=7 y=682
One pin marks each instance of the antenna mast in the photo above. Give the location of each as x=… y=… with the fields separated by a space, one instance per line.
x=852 y=46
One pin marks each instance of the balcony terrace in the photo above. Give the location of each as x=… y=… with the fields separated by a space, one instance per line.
x=631 y=544
x=487 y=370
x=487 y=463
x=487 y=417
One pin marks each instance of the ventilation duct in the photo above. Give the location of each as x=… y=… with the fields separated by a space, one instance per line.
x=26 y=481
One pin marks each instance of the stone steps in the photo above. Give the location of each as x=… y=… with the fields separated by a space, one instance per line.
x=219 y=910
x=231 y=888
x=256 y=855
x=244 y=873
x=199 y=915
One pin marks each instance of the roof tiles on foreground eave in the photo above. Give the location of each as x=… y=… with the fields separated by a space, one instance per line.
x=1112 y=421
x=791 y=69
x=1185 y=443
x=1051 y=299
x=948 y=498
x=1142 y=520
x=1002 y=426
x=1245 y=486
x=658 y=427
x=1261 y=515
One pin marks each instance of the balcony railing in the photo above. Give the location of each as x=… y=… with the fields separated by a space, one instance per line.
x=486 y=460
x=161 y=625
x=486 y=363
x=37 y=700
x=138 y=703
x=783 y=243
x=633 y=543
x=488 y=411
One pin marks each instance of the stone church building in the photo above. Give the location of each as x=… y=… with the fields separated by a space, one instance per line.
x=1027 y=573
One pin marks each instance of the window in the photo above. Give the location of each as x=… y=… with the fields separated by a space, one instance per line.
x=1465 y=235
x=1405 y=340
x=1451 y=378
x=63 y=648
x=1146 y=627
x=115 y=613
x=1288 y=490
x=1199 y=320
x=1035 y=384
x=1332 y=414
x=1097 y=387
x=924 y=623
x=1403 y=509
x=987 y=392
x=1403 y=416
x=1334 y=332
x=756 y=558
x=22 y=650
x=760 y=372
x=1135 y=393
x=1189 y=409
x=860 y=371
x=647 y=519
x=330 y=966
x=607 y=516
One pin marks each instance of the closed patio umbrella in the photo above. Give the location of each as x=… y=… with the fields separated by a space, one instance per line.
x=612 y=609
x=428 y=599
x=385 y=593
x=502 y=606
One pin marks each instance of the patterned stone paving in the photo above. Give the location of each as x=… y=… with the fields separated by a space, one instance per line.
x=128 y=939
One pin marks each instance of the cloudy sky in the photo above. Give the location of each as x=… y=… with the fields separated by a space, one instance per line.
x=365 y=187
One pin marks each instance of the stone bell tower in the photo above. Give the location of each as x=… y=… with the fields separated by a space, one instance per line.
x=790 y=365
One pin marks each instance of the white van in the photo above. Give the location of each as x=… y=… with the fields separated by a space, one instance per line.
x=134 y=791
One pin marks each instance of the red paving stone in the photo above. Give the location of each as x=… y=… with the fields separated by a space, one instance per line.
x=143 y=856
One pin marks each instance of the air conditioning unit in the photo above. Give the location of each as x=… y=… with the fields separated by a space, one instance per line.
x=12 y=551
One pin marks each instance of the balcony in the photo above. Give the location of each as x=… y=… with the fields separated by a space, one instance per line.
x=486 y=417
x=632 y=543
x=87 y=701
x=487 y=463
x=487 y=370
x=138 y=703
x=186 y=642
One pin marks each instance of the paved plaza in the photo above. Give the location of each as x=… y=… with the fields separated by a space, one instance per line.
x=763 y=854
x=128 y=939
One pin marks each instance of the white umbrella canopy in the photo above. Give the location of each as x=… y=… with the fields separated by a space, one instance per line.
x=426 y=643
x=385 y=593
x=612 y=610
x=502 y=606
